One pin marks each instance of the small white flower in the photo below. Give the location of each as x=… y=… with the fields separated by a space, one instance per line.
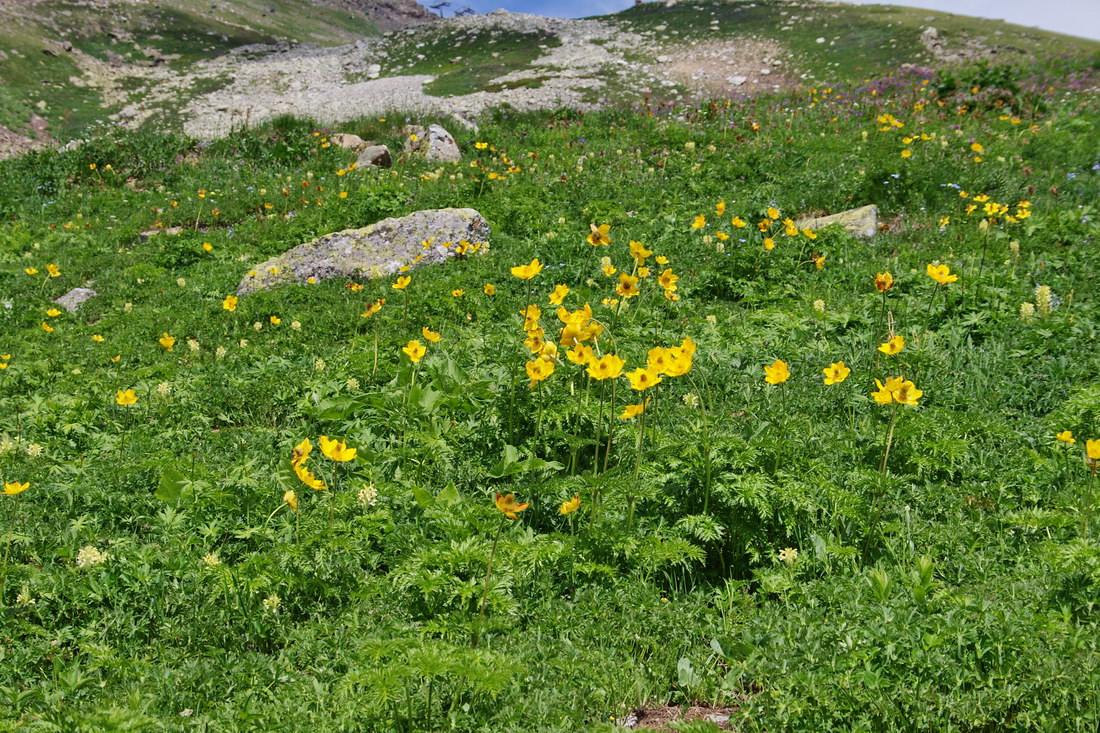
x=128 y=307
x=257 y=326
x=34 y=450
x=219 y=353
x=212 y=560
x=819 y=306
x=193 y=344
x=90 y=556
x=296 y=326
x=25 y=598
x=164 y=389
x=368 y=495
x=319 y=365
x=691 y=399
x=272 y=603
x=788 y=555
x=244 y=343
x=181 y=281
x=353 y=384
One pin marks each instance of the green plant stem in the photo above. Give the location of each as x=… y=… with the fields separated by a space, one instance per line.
x=637 y=478
x=485 y=587
x=611 y=426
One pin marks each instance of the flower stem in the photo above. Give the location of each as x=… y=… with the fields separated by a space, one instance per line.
x=610 y=427
x=485 y=588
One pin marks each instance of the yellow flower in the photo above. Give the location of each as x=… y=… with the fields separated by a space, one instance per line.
x=509 y=506
x=373 y=308
x=291 y=499
x=628 y=286
x=777 y=373
x=415 y=350
x=125 y=397
x=539 y=369
x=306 y=477
x=167 y=341
x=458 y=292
x=773 y=213
x=481 y=146
x=13 y=488
x=941 y=274
x=639 y=252
x=977 y=147
x=1066 y=436
x=206 y=246
x=53 y=313
x=559 y=294
x=700 y=222
x=528 y=271
x=642 y=379
x=580 y=354
x=402 y=282
x=31 y=270
x=667 y=279
x=720 y=208
x=738 y=222
x=884 y=281
x=570 y=506
x=598 y=235
x=53 y=271
x=301 y=452
x=809 y=234
x=819 y=262
x=906 y=153
x=336 y=450
x=609 y=270
x=608 y=367
x=275 y=320
x=836 y=373
x=430 y=335
x=47 y=327
x=489 y=289
x=1092 y=449
x=893 y=346
x=632 y=411
x=769 y=243
x=907 y=394
x=230 y=303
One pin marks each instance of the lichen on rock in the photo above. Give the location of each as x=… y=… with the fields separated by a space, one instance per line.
x=421 y=238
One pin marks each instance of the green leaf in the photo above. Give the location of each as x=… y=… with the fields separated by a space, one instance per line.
x=171 y=484
x=423 y=497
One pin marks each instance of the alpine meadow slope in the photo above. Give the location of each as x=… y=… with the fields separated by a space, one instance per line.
x=579 y=414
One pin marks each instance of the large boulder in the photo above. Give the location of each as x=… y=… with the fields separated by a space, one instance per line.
x=378 y=250
x=378 y=155
x=861 y=222
x=435 y=144
x=351 y=142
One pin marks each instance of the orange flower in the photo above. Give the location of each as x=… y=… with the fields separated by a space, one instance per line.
x=509 y=506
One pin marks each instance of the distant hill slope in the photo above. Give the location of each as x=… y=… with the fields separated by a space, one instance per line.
x=54 y=53
x=65 y=64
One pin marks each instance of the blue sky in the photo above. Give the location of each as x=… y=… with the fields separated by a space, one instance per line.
x=1076 y=17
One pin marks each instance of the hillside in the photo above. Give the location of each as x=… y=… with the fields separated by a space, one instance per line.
x=65 y=64
x=179 y=63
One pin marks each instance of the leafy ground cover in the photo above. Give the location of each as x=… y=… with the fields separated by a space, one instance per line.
x=905 y=540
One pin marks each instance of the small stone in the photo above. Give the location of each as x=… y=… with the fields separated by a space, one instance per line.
x=861 y=222
x=72 y=300
x=346 y=140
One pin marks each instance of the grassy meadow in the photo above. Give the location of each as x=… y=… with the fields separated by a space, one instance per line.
x=631 y=474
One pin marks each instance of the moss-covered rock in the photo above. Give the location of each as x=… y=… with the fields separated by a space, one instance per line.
x=374 y=251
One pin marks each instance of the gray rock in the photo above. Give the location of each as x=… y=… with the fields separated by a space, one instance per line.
x=861 y=222
x=72 y=300
x=350 y=142
x=435 y=144
x=737 y=80
x=378 y=250
x=374 y=71
x=378 y=155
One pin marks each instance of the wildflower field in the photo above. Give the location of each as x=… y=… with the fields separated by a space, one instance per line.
x=652 y=443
